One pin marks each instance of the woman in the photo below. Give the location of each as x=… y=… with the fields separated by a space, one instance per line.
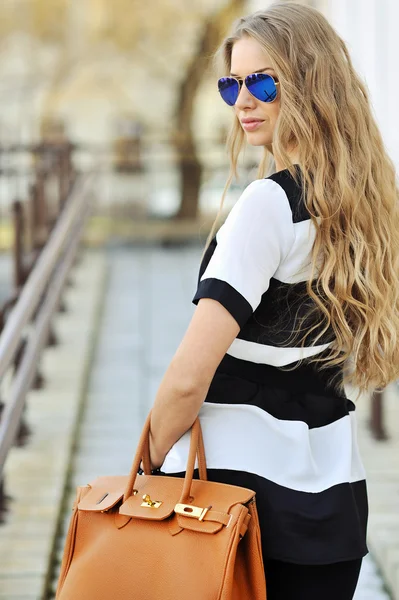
x=297 y=294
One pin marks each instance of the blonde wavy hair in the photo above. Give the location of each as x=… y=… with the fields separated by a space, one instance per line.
x=349 y=184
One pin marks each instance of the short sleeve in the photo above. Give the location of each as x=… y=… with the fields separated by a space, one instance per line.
x=251 y=244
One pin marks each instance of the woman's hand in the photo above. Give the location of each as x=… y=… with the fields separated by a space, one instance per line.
x=156 y=458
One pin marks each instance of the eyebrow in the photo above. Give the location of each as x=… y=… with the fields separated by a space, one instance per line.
x=257 y=71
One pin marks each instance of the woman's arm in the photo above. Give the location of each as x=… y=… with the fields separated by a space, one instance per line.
x=186 y=382
x=256 y=236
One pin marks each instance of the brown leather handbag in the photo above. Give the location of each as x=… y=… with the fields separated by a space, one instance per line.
x=151 y=537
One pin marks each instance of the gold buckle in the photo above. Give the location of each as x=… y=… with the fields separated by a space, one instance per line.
x=148 y=503
x=195 y=512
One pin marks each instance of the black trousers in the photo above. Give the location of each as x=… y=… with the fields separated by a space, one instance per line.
x=288 y=581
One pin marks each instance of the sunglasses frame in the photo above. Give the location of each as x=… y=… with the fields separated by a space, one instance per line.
x=241 y=83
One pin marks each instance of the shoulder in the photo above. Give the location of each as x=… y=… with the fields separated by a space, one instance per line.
x=263 y=200
x=260 y=221
x=293 y=191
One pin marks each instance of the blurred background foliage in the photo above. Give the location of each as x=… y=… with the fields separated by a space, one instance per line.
x=129 y=81
x=132 y=85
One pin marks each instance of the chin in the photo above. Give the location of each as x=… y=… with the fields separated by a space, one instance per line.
x=258 y=139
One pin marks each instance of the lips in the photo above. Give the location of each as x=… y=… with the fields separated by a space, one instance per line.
x=251 y=120
x=251 y=124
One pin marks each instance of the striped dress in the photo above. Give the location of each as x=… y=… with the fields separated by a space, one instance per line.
x=288 y=435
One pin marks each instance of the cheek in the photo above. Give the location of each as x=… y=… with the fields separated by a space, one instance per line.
x=271 y=111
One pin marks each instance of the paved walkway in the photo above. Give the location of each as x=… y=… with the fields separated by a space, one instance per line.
x=382 y=465
x=35 y=475
x=147 y=309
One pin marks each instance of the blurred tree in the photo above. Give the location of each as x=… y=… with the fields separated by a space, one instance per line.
x=6 y=21
x=48 y=19
x=45 y=19
x=214 y=29
x=155 y=33
x=173 y=41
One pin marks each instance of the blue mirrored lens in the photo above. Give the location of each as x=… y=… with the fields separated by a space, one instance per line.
x=229 y=90
x=261 y=86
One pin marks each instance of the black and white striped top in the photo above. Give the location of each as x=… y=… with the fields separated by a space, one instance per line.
x=257 y=266
x=286 y=434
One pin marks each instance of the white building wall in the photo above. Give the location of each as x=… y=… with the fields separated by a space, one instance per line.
x=369 y=27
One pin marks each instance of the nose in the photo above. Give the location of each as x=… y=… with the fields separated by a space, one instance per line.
x=245 y=99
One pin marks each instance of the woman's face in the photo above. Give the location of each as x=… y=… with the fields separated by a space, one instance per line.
x=257 y=118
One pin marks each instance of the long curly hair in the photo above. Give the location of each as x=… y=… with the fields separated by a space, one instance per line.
x=349 y=184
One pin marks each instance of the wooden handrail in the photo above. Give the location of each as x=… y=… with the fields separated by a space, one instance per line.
x=21 y=384
x=38 y=279
x=48 y=228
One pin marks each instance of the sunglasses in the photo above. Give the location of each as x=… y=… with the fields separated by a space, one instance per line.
x=260 y=85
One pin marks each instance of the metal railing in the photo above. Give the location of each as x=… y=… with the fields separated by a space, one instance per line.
x=48 y=228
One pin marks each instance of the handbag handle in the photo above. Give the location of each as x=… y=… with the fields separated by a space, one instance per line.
x=197 y=449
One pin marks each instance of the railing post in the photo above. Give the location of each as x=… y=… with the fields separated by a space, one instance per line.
x=3 y=497
x=19 y=279
x=377 y=424
x=62 y=165
x=40 y=236
x=41 y=211
x=21 y=272
x=18 y=221
x=34 y=220
x=63 y=175
x=4 y=501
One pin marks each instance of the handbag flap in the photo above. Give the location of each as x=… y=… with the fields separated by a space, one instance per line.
x=165 y=492
x=156 y=497
x=104 y=493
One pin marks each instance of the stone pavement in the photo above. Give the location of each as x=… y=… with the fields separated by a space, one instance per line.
x=147 y=309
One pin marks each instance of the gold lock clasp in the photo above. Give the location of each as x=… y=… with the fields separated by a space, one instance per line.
x=195 y=512
x=148 y=503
